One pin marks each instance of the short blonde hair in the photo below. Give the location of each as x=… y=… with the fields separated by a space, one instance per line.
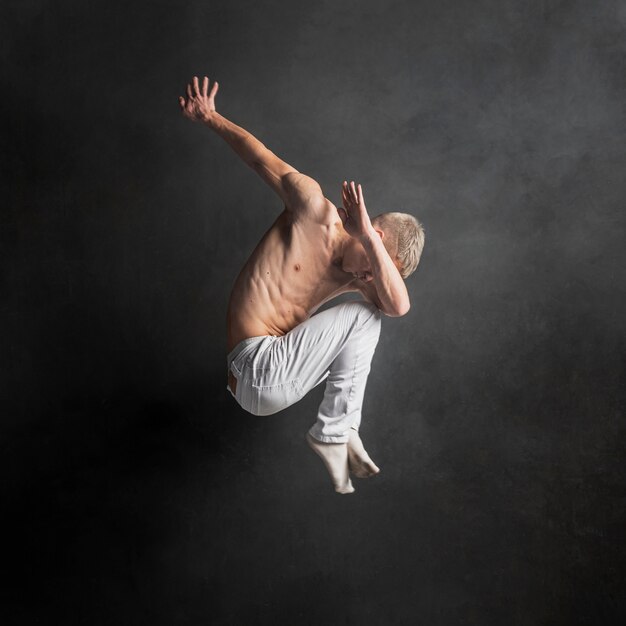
x=404 y=234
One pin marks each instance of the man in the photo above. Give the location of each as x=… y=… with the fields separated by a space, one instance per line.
x=314 y=251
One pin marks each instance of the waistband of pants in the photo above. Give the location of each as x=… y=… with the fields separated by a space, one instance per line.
x=232 y=355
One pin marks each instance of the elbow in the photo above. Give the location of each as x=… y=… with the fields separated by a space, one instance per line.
x=401 y=308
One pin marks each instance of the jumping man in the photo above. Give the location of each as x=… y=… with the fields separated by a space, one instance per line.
x=278 y=348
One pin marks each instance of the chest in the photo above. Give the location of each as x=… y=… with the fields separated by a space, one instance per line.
x=311 y=271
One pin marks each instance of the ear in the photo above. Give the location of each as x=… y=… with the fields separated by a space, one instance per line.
x=380 y=232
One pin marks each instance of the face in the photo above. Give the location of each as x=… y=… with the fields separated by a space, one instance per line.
x=355 y=261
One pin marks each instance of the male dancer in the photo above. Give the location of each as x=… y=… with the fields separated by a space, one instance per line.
x=314 y=251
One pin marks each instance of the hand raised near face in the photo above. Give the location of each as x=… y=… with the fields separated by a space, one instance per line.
x=354 y=214
x=199 y=103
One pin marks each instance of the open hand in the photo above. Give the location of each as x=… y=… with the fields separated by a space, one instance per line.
x=199 y=104
x=354 y=215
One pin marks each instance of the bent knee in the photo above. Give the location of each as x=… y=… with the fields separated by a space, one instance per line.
x=367 y=312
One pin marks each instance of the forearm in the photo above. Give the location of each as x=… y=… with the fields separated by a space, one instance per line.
x=246 y=145
x=390 y=287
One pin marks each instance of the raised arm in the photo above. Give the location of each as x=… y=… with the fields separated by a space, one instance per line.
x=292 y=186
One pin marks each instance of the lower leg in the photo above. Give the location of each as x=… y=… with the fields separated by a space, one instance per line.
x=335 y=458
x=350 y=332
x=359 y=462
x=347 y=377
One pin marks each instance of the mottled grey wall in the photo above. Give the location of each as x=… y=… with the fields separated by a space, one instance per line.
x=136 y=491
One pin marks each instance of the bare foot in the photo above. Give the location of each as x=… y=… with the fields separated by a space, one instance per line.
x=335 y=457
x=359 y=460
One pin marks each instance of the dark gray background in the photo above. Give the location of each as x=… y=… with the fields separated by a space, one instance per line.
x=136 y=491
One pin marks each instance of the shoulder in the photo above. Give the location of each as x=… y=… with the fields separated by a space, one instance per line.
x=303 y=196
x=295 y=180
x=300 y=189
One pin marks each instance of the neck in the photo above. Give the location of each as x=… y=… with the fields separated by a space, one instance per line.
x=340 y=240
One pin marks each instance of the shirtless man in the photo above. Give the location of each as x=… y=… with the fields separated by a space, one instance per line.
x=314 y=251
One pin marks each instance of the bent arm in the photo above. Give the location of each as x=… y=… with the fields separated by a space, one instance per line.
x=387 y=288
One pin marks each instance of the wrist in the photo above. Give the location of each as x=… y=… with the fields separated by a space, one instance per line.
x=368 y=236
x=210 y=119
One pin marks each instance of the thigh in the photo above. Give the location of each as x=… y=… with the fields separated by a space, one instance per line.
x=283 y=369
x=307 y=352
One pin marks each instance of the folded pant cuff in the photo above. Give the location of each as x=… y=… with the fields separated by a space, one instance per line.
x=328 y=438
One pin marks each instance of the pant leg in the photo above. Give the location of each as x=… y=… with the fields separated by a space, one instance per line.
x=341 y=407
x=336 y=345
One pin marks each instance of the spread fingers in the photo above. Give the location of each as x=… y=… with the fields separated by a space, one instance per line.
x=353 y=191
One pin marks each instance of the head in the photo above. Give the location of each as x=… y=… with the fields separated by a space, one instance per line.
x=403 y=237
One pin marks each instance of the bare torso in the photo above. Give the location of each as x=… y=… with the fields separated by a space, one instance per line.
x=294 y=269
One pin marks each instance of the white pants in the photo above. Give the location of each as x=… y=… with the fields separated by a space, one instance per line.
x=335 y=345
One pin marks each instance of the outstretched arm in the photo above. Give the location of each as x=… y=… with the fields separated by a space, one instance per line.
x=386 y=287
x=284 y=179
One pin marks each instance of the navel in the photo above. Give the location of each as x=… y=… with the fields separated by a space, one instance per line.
x=296 y=267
